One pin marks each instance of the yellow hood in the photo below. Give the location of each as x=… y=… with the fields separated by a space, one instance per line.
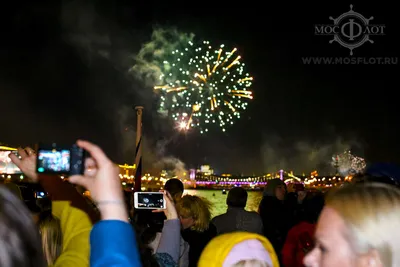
x=218 y=249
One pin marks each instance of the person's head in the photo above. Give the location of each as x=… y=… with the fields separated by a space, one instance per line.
x=50 y=231
x=275 y=188
x=358 y=227
x=194 y=212
x=175 y=188
x=144 y=236
x=313 y=205
x=237 y=198
x=20 y=244
x=239 y=249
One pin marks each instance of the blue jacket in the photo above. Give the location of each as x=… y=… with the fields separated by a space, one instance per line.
x=113 y=243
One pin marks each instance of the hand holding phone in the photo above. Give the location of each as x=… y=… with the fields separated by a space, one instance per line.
x=170 y=210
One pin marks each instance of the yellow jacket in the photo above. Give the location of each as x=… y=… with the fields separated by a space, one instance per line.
x=76 y=227
x=218 y=249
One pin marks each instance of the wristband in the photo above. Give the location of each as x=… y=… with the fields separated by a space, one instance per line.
x=110 y=202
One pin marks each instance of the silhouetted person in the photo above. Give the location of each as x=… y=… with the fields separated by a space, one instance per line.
x=236 y=217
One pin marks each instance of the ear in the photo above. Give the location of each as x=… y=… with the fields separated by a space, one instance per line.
x=371 y=259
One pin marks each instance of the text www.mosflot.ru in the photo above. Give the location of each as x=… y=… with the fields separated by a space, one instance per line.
x=350 y=60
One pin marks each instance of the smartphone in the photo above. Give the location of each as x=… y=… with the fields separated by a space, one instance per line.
x=149 y=200
x=54 y=159
x=40 y=194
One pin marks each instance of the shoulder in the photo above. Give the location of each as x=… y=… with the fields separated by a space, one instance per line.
x=253 y=214
x=218 y=218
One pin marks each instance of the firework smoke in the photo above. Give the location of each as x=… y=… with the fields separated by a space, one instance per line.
x=150 y=57
x=302 y=157
x=102 y=44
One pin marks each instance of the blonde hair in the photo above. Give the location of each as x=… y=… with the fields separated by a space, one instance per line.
x=371 y=213
x=251 y=263
x=198 y=208
x=50 y=231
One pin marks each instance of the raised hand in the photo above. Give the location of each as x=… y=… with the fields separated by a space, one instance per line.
x=170 y=210
x=101 y=178
x=26 y=163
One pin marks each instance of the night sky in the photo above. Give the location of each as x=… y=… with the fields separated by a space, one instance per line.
x=57 y=85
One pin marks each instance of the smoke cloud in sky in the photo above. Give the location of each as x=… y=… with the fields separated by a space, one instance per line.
x=303 y=157
x=152 y=54
x=94 y=37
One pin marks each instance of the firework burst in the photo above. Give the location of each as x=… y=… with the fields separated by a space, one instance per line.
x=203 y=86
x=347 y=163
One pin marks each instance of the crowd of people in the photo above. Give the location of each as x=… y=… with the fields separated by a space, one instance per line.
x=354 y=225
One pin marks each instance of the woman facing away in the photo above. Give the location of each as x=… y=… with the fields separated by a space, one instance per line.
x=20 y=244
x=358 y=227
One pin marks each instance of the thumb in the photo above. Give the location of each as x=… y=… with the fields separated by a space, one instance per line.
x=80 y=180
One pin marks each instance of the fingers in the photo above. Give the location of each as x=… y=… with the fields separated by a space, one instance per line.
x=14 y=158
x=80 y=180
x=90 y=167
x=22 y=153
x=90 y=163
x=158 y=210
x=29 y=151
x=95 y=151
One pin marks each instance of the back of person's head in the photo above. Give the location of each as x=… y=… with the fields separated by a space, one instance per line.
x=371 y=214
x=313 y=206
x=50 y=231
x=20 y=244
x=237 y=197
x=145 y=235
x=197 y=208
x=175 y=188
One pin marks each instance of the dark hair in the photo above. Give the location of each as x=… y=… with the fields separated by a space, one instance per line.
x=20 y=244
x=144 y=236
x=237 y=197
x=174 y=186
x=312 y=207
